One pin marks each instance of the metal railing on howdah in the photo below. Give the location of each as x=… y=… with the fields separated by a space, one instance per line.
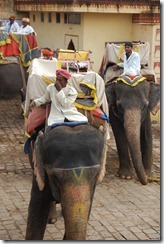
x=90 y=2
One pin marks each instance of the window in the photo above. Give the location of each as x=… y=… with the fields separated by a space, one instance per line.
x=42 y=17
x=72 y=18
x=49 y=17
x=57 y=17
x=33 y=17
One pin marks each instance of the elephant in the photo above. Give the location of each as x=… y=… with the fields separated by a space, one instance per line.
x=13 y=77
x=66 y=166
x=129 y=113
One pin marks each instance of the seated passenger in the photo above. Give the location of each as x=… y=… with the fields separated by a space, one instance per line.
x=62 y=97
x=26 y=29
x=12 y=25
x=131 y=64
x=47 y=53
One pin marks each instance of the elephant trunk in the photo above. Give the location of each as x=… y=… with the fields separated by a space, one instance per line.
x=132 y=125
x=75 y=209
x=77 y=190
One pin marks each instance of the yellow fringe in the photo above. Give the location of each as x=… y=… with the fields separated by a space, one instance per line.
x=134 y=84
x=27 y=135
x=47 y=80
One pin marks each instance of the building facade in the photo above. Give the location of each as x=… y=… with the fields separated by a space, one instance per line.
x=91 y=24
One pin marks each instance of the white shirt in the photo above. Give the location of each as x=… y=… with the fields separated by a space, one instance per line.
x=131 y=65
x=62 y=104
x=26 y=30
x=13 y=28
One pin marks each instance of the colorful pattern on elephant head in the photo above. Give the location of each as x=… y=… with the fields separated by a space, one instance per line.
x=131 y=80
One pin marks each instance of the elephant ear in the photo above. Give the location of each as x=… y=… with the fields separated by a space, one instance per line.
x=39 y=170
x=110 y=93
x=154 y=97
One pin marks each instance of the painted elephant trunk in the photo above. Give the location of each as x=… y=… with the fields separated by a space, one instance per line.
x=132 y=125
x=77 y=190
x=75 y=212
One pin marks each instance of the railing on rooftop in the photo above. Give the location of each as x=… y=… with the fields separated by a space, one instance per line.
x=150 y=3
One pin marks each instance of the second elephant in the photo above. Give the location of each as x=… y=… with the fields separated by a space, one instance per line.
x=129 y=112
x=13 y=77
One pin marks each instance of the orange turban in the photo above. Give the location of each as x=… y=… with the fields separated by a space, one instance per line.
x=46 y=52
x=12 y=17
x=63 y=73
x=27 y=20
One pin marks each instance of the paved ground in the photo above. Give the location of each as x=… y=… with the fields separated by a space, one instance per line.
x=122 y=210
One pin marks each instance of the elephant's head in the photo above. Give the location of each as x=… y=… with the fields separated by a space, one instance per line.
x=131 y=107
x=70 y=158
x=146 y=95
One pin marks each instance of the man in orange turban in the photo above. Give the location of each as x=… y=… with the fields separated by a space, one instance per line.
x=47 y=53
x=26 y=28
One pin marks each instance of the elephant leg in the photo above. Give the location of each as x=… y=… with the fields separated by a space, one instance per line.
x=30 y=155
x=52 y=217
x=125 y=169
x=38 y=211
x=146 y=145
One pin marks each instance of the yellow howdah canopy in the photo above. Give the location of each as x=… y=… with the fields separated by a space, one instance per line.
x=64 y=54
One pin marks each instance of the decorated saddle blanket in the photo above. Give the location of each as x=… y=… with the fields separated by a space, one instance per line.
x=24 y=46
x=91 y=91
x=131 y=80
x=38 y=116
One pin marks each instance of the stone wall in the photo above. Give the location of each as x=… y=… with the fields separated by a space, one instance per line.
x=7 y=9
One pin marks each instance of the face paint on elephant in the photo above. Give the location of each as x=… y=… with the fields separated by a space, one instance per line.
x=67 y=164
x=129 y=112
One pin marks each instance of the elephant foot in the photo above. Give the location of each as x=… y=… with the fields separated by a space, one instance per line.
x=148 y=173
x=125 y=174
x=52 y=218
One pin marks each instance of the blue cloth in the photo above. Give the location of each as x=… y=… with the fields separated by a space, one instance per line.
x=27 y=146
x=70 y=123
x=105 y=117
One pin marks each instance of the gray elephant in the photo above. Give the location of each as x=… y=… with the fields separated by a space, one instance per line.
x=13 y=77
x=129 y=112
x=66 y=168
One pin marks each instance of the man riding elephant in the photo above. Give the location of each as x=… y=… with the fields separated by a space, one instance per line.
x=62 y=97
x=131 y=62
